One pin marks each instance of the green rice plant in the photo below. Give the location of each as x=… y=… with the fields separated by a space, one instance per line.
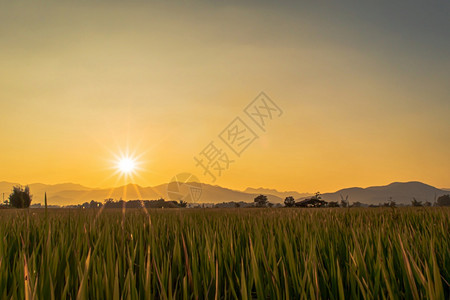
x=329 y=253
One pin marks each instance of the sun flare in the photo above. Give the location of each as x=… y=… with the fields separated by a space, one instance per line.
x=126 y=165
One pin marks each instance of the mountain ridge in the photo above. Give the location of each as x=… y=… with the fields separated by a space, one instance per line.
x=400 y=192
x=72 y=193
x=275 y=192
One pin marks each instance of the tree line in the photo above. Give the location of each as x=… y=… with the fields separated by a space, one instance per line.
x=317 y=201
x=21 y=197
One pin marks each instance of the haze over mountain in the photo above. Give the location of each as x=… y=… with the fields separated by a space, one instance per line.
x=277 y=193
x=401 y=193
x=70 y=194
x=38 y=190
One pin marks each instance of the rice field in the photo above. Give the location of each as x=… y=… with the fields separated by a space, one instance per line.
x=295 y=253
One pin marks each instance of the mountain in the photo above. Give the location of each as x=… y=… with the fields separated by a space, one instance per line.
x=38 y=189
x=69 y=194
x=276 y=193
x=401 y=193
x=216 y=194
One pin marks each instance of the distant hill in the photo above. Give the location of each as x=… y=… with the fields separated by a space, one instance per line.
x=401 y=193
x=40 y=186
x=38 y=190
x=217 y=194
x=70 y=194
x=276 y=193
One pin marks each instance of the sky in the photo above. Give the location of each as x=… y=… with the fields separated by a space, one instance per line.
x=363 y=88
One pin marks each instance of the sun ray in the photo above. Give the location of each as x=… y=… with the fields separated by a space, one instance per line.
x=127 y=166
x=139 y=196
x=124 y=205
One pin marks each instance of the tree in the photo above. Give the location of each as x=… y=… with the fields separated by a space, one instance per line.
x=443 y=200
x=94 y=204
x=357 y=204
x=289 y=201
x=182 y=203
x=261 y=200
x=414 y=202
x=108 y=200
x=391 y=203
x=20 y=197
x=427 y=204
x=333 y=204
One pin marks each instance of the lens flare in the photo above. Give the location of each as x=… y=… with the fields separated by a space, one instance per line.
x=126 y=165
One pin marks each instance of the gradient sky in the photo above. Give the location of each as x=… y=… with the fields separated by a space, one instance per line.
x=364 y=89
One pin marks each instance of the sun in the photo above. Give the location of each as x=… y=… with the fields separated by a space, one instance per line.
x=126 y=165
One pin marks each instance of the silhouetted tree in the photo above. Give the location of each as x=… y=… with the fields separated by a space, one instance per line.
x=289 y=201
x=20 y=197
x=357 y=204
x=333 y=204
x=261 y=200
x=108 y=201
x=182 y=203
x=427 y=204
x=443 y=200
x=94 y=204
x=414 y=202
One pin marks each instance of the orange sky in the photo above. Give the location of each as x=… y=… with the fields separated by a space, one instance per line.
x=364 y=91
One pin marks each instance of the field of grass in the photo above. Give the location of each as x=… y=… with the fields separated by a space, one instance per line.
x=225 y=253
